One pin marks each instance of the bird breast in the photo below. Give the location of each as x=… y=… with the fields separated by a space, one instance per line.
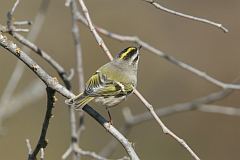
x=110 y=101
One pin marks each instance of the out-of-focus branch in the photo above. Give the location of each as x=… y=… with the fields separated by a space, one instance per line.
x=91 y=155
x=30 y=94
x=54 y=84
x=176 y=108
x=19 y=68
x=20 y=23
x=158 y=6
x=78 y=48
x=158 y=52
x=145 y=102
x=164 y=128
x=108 y=127
x=29 y=147
x=74 y=148
x=225 y=110
x=111 y=146
x=62 y=73
x=10 y=26
x=42 y=142
x=133 y=120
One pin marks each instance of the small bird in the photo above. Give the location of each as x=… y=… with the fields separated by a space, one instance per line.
x=111 y=83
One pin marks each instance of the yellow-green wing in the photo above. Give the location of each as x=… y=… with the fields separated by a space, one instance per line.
x=100 y=85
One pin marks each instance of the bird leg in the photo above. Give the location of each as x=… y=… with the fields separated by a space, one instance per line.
x=110 y=117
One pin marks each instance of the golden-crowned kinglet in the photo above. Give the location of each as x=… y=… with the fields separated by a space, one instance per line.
x=111 y=83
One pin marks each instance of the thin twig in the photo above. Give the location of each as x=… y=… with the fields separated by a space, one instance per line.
x=78 y=48
x=93 y=30
x=20 y=67
x=96 y=156
x=10 y=26
x=225 y=110
x=20 y=30
x=176 y=108
x=127 y=145
x=60 y=70
x=158 y=6
x=145 y=102
x=14 y=7
x=133 y=120
x=20 y=23
x=29 y=147
x=42 y=142
x=76 y=36
x=164 y=128
x=41 y=154
x=54 y=84
x=80 y=130
x=164 y=55
x=111 y=146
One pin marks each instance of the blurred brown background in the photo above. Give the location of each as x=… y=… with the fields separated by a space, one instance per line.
x=212 y=136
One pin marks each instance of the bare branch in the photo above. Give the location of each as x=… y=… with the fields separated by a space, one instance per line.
x=29 y=147
x=20 y=23
x=78 y=48
x=80 y=130
x=167 y=57
x=20 y=67
x=133 y=120
x=42 y=142
x=145 y=102
x=76 y=36
x=127 y=145
x=111 y=146
x=158 y=6
x=41 y=154
x=176 y=108
x=14 y=8
x=67 y=153
x=93 y=30
x=54 y=84
x=67 y=3
x=62 y=73
x=226 y=110
x=164 y=128
x=96 y=156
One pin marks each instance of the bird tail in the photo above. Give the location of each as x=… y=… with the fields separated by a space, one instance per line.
x=79 y=101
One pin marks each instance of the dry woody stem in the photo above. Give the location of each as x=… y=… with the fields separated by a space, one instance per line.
x=145 y=102
x=42 y=142
x=158 y=6
x=55 y=85
x=167 y=57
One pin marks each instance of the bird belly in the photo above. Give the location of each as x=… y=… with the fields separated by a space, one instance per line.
x=110 y=101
